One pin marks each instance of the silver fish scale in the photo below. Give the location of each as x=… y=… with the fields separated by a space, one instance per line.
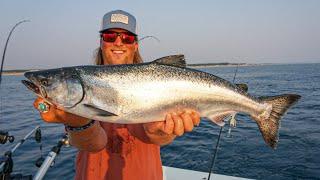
x=143 y=92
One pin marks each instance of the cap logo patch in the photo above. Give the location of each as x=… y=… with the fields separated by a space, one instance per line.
x=119 y=18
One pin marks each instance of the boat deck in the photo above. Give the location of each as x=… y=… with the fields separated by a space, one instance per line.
x=171 y=173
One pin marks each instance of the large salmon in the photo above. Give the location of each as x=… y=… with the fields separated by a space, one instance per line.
x=140 y=93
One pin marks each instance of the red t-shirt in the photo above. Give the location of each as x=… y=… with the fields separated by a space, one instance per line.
x=128 y=156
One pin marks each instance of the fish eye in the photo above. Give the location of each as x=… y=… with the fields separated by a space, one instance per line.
x=44 y=82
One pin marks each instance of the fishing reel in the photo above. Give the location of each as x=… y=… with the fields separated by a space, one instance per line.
x=38 y=139
x=4 y=137
x=56 y=149
x=7 y=166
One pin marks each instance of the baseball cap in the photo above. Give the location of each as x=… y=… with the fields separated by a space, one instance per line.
x=119 y=19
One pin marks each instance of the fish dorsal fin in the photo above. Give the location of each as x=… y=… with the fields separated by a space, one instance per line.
x=173 y=60
x=243 y=87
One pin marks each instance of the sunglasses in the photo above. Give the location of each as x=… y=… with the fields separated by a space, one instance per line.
x=126 y=38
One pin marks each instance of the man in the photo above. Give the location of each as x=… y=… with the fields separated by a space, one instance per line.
x=118 y=151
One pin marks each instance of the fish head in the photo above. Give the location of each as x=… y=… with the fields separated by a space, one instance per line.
x=62 y=87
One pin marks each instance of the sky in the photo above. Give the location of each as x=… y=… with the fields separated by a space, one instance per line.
x=65 y=33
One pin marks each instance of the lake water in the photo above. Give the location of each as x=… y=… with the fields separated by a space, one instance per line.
x=244 y=154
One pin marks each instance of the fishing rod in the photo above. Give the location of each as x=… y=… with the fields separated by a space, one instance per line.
x=4 y=136
x=6 y=161
x=5 y=47
x=219 y=137
x=50 y=158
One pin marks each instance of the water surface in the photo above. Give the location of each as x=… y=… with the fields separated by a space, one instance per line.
x=243 y=154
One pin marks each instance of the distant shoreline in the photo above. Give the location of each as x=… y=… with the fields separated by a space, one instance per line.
x=12 y=73
x=16 y=72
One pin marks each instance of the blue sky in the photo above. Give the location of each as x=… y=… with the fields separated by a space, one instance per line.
x=65 y=33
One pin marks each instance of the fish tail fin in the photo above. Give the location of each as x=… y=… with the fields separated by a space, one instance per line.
x=269 y=124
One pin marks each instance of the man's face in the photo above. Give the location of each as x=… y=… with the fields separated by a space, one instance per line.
x=118 y=52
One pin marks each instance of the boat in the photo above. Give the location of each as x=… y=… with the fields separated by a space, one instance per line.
x=172 y=173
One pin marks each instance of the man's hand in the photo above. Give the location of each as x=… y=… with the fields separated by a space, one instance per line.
x=175 y=124
x=55 y=115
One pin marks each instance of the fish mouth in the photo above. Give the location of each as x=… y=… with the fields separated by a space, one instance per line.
x=31 y=86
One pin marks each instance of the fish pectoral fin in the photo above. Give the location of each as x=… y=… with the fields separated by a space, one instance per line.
x=173 y=60
x=99 y=111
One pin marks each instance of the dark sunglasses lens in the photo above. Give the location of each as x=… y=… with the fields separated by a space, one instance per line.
x=112 y=36
x=109 y=37
x=128 y=39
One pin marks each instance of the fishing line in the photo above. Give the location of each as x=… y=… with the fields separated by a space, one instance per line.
x=145 y=37
x=219 y=137
x=235 y=74
x=234 y=78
